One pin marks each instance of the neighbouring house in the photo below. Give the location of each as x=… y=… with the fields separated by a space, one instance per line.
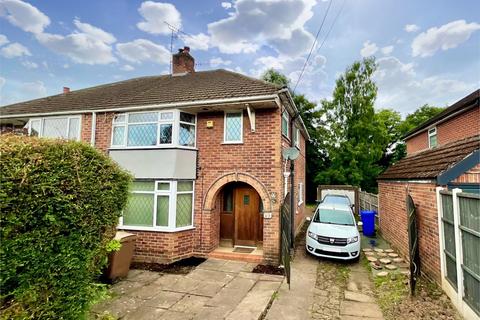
x=442 y=155
x=205 y=149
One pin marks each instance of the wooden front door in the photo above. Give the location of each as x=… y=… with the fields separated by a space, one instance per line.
x=247 y=217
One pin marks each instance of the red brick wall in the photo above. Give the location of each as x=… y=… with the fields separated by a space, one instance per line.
x=464 y=125
x=259 y=155
x=393 y=221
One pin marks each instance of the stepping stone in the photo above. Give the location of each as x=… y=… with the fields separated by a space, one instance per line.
x=381 y=254
x=378 y=250
x=359 y=297
x=389 y=250
x=393 y=255
x=391 y=267
x=385 y=261
x=382 y=274
x=398 y=260
x=405 y=272
x=352 y=286
x=369 y=253
x=376 y=265
x=372 y=259
x=366 y=250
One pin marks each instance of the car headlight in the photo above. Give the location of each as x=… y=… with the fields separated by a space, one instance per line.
x=312 y=235
x=352 y=239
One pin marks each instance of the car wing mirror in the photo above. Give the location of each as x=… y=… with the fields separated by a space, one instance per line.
x=308 y=219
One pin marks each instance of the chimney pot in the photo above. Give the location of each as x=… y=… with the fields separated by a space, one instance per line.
x=66 y=89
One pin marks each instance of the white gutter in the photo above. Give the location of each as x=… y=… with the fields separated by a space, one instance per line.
x=94 y=129
x=251 y=99
x=295 y=109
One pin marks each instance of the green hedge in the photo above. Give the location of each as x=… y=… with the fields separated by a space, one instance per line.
x=59 y=205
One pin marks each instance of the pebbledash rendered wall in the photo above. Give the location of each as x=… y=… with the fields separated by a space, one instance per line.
x=393 y=218
x=257 y=161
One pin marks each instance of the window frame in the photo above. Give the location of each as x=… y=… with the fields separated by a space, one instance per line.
x=432 y=132
x=296 y=140
x=225 y=127
x=300 y=193
x=175 y=122
x=42 y=125
x=286 y=117
x=172 y=207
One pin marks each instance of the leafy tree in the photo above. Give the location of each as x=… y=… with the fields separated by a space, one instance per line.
x=394 y=149
x=418 y=117
x=355 y=143
x=275 y=77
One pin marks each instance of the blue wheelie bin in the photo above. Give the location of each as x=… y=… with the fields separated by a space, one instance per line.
x=368 y=220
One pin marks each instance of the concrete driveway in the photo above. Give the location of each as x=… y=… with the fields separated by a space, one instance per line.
x=216 y=289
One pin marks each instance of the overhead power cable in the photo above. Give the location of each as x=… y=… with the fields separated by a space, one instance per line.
x=313 y=45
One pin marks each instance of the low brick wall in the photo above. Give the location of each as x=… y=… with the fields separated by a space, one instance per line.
x=393 y=221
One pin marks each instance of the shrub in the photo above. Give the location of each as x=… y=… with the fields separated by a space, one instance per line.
x=59 y=204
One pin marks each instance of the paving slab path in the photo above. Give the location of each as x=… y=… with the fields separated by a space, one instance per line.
x=216 y=289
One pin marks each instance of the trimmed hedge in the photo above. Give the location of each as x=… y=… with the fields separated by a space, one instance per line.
x=59 y=204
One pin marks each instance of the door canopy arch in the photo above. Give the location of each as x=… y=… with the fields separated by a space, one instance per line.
x=221 y=181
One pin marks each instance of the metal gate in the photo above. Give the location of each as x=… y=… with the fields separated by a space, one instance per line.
x=413 y=243
x=286 y=238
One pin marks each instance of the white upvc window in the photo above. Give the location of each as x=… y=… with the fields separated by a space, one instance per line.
x=432 y=137
x=296 y=137
x=154 y=129
x=285 y=124
x=300 y=193
x=159 y=206
x=233 y=127
x=65 y=127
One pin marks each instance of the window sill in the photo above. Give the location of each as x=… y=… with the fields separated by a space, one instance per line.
x=232 y=142
x=152 y=148
x=152 y=229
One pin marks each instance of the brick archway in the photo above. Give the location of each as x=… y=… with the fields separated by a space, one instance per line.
x=217 y=185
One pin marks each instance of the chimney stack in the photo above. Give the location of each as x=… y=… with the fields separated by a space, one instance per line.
x=183 y=62
x=66 y=90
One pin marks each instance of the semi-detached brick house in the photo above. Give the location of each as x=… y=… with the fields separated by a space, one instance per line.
x=205 y=149
x=443 y=151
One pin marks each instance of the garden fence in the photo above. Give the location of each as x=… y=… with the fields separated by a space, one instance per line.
x=368 y=201
x=459 y=229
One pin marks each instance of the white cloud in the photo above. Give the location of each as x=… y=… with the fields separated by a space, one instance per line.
x=2 y=82
x=94 y=32
x=411 y=28
x=217 y=61
x=14 y=50
x=80 y=47
x=155 y=14
x=279 y=24
x=66 y=66
x=197 y=42
x=3 y=39
x=387 y=50
x=29 y=64
x=142 y=50
x=226 y=5
x=24 y=15
x=445 y=37
x=127 y=67
x=369 y=49
x=32 y=90
x=401 y=88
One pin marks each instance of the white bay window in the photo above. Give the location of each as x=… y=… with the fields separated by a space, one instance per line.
x=159 y=206
x=154 y=129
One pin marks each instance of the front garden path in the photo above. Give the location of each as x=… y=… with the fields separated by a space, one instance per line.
x=216 y=289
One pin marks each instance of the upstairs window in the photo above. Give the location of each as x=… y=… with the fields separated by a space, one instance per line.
x=300 y=193
x=285 y=122
x=432 y=137
x=296 y=137
x=233 y=128
x=153 y=129
x=55 y=127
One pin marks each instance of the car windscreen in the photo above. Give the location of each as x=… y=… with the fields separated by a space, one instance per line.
x=336 y=200
x=331 y=216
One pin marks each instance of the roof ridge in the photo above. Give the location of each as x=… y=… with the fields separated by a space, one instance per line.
x=276 y=86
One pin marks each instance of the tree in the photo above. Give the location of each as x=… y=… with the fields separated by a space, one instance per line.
x=275 y=77
x=394 y=149
x=418 y=117
x=355 y=143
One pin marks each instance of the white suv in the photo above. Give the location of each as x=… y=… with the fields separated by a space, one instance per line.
x=333 y=233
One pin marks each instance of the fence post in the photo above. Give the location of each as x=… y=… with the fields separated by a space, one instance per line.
x=441 y=234
x=458 y=245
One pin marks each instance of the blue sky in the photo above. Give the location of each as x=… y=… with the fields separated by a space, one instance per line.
x=427 y=51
